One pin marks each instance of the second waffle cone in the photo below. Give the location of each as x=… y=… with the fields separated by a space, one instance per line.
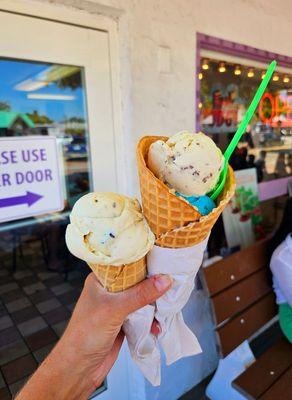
x=173 y=220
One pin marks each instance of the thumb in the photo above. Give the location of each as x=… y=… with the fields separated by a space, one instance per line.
x=143 y=293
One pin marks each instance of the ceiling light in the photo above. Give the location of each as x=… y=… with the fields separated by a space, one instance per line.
x=205 y=65
x=221 y=67
x=237 y=70
x=276 y=78
x=44 y=96
x=200 y=76
x=286 y=79
x=200 y=105
x=263 y=74
x=250 y=73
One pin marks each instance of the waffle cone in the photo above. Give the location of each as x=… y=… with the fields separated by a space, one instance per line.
x=174 y=222
x=119 y=278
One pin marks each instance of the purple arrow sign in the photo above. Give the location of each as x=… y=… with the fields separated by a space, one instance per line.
x=29 y=198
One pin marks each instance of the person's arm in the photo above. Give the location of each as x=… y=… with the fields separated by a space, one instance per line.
x=282 y=270
x=90 y=345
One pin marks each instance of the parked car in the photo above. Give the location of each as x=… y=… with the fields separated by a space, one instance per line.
x=77 y=148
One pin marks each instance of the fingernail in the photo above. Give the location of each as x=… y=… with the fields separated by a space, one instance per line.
x=156 y=330
x=162 y=282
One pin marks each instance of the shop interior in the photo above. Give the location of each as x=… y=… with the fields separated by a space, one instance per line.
x=227 y=86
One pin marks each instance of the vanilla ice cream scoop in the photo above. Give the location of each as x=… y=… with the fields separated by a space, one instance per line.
x=189 y=163
x=109 y=229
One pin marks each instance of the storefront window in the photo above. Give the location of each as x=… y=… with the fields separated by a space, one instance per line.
x=226 y=90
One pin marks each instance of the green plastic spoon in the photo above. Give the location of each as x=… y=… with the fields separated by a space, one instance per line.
x=241 y=129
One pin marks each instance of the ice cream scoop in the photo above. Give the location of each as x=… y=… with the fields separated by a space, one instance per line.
x=188 y=163
x=203 y=203
x=108 y=229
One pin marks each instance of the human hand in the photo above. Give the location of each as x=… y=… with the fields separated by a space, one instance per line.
x=91 y=343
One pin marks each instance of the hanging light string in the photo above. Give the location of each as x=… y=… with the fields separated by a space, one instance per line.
x=238 y=70
x=222 y=67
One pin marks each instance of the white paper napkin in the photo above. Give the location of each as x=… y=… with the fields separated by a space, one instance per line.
x=176 y=339
x=143 y=345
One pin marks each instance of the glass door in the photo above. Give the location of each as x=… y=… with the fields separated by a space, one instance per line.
x=54 y=82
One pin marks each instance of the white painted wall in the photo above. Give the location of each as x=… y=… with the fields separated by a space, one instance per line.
x=163 y=103
x=155 y=102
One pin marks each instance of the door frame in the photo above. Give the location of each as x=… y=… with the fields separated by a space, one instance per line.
x=107 y=22
x=106 y=19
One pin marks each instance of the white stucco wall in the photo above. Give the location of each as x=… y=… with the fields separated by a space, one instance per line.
x=163 y=103
x=155 y=102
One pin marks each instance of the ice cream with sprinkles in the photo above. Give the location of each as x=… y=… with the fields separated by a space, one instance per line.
x=108 y=228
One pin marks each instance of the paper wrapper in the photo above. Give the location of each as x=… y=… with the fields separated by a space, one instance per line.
x=176 y=339
x=181 y=237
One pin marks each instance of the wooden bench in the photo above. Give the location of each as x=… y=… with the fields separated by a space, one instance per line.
x=243 y=302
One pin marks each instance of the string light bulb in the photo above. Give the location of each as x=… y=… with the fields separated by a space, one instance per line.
x=250 y=73
x=200 y=76
x=222 y=67
x=237 y=70
x=276 y=78
x=286 y=79
x=263 y=74
x=205 y=65
x=200 y=105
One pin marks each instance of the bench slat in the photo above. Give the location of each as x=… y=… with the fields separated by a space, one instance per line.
x=230 y=270
x=243 y=326
x=241 y=295
x=265 y=371
x=282 y=389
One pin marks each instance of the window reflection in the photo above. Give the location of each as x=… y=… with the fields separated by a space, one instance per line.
x=226 y=91
x=44 y=99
